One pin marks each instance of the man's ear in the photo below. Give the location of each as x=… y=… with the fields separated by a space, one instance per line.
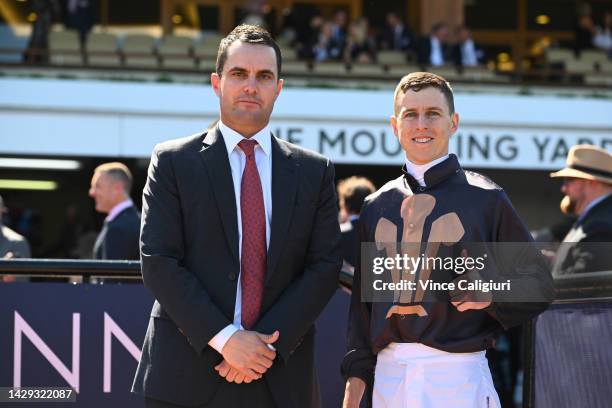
x=118 y=187
x=214 y=81
x=393 y=122
x=455 y=122
x=279 y=87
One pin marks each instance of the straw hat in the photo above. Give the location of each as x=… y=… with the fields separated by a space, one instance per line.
x=587 y=162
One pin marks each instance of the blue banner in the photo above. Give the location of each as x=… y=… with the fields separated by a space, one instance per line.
x=89 y=337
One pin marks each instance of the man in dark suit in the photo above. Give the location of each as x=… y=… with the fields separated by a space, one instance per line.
x=239 y=246
x=81 y=15
x=110 y=188
x=395 y=35
x=465 y=53
x=588 y=195
x=434 y=49
x=338 y=39
x=351 y=193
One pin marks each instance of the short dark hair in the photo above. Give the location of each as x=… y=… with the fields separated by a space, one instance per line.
x=118 y=172
x=437 y=26
x=249 y=34
x=353 y=191
x=416 y=81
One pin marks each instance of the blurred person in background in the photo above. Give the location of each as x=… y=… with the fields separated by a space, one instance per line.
x=603 y=34
x=464 y=52
x=305 y=21
x=584 y=29
x=110 y=188
x=339 y=34
x=360 y=45
x=12 y=245
x=396 y=36
x=80 y=15
x=434 y=49
x=308 y=38
x=587 y=186
x=46 y=11
x=322 y=50
x=252 y=15
x=351 y=193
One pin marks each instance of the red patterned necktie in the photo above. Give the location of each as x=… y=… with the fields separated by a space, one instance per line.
x=253 y=257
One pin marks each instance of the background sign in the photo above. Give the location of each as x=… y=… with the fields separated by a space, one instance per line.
x=505 y=131
x=89 y=337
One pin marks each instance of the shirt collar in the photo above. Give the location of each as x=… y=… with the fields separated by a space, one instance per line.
x=592 y=204
x=112 y=214
x=418 y=170
x=232 y=138
x=437 y=173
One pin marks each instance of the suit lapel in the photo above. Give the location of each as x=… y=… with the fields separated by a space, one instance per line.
x=97 y=251
x=214 y=156
x=283 y=196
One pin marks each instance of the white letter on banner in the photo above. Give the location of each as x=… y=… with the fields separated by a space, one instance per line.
x=110 y=327
x=72 y=377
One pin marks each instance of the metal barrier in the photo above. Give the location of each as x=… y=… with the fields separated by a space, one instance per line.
x=582 y=289
x=64 y=268
x=579 y=290
x=60 y=334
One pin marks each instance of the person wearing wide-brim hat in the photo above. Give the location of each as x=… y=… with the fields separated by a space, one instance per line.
x=587 y=186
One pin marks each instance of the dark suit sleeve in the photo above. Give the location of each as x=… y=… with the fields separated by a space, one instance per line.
x=424 y=51
x=305 y=298
x=162 y=249
x=359 y=360
x=455 y=55
x=519 y=260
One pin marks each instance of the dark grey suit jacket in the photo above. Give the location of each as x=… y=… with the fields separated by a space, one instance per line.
x=119 y=237
x=586 y=247
x=189 y=250
x=348 y=241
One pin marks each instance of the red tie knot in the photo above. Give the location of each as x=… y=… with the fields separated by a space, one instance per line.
x=248 y=146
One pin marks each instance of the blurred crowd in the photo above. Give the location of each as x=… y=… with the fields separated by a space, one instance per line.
x=339 y=39
x=314 y=37
x=592 y=33
x=79 y=15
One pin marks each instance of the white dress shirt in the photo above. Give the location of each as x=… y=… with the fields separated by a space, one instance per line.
x=418 y=170
x=469 y=55
x=436 y=58
x=398 y=38
x=237 y=159
x=603 y=39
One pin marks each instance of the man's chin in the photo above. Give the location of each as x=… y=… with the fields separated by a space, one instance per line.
x=252 y=119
